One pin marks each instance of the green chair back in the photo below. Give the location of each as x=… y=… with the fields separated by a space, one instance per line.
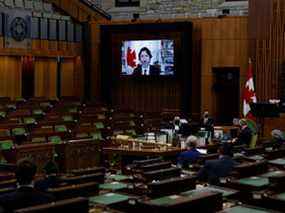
x=99 y=125
x=60 y=128
x=55 y=139
x=96 y=135
x=6 y=144
x=18 y=131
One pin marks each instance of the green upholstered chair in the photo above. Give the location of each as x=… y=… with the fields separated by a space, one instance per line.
x=7 y=151
x=55 y=139
x=131 y=132
x=96 y=135
x=6 y=144
x=99 y=125
x=60 y=128
x=29 y=120
x=3 y=114
x=68 y=118
x=19 y=131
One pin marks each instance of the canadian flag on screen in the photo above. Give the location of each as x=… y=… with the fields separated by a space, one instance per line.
x=248 y=93
x=131 y=57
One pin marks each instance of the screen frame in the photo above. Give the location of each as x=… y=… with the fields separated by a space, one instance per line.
x=111 y=36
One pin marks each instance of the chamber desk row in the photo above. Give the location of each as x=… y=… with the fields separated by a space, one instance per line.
x=128 y=155
x=70 y=155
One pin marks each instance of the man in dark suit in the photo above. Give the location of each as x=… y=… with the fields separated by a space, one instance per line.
x=145 y=68
x=207 y=122
x=213 y=170
x=191 y=155
x=245 y=134
x=51 y=178
x=25 y=195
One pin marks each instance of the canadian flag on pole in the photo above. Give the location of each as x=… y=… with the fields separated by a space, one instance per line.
x=248 y=93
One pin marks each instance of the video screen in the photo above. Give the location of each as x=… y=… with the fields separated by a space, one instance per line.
x=148 y=57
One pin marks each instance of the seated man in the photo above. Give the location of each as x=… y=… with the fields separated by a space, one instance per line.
x=278 y=137
x=191 y=155
x=25 y=195
x=51 y=178
x=245 y=134
x=213 y=170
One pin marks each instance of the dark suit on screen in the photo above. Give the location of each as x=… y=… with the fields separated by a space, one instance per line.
x=153 y=70
x=23 y=197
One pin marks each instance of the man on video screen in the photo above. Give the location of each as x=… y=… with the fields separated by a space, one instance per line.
x=145 y=68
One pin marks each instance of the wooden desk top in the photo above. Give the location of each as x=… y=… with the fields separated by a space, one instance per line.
x=163 y=151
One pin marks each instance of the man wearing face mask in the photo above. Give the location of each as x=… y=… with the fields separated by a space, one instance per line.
x=207 y=122
x=145 y=68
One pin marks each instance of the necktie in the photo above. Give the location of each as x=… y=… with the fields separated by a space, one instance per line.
x=144 y=72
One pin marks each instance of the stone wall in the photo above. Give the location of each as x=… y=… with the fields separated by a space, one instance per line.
x=165 y=9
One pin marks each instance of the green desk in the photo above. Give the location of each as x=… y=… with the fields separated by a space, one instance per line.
x=109 y=198
x=193 y=199
x=243 y=209
x=256 y=157
x=169 y=200
x=281 y=196
x=276 y=202
x=113 y=186
x=250 y=184
x=119 y=177
x=226 y=192
x=277 y=173
x=278 y=162
x=254 y=181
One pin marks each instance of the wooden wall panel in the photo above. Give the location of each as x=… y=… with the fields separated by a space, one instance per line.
x=36 y=44
x=45 y=78
x=224 y=43
x=45 y=48
x=1 y=42
x=95 y=64
x=67 y=77
x=273 y=123
x=78 y=77
x=10 y=76
x=267 y=44
x=46 y=54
